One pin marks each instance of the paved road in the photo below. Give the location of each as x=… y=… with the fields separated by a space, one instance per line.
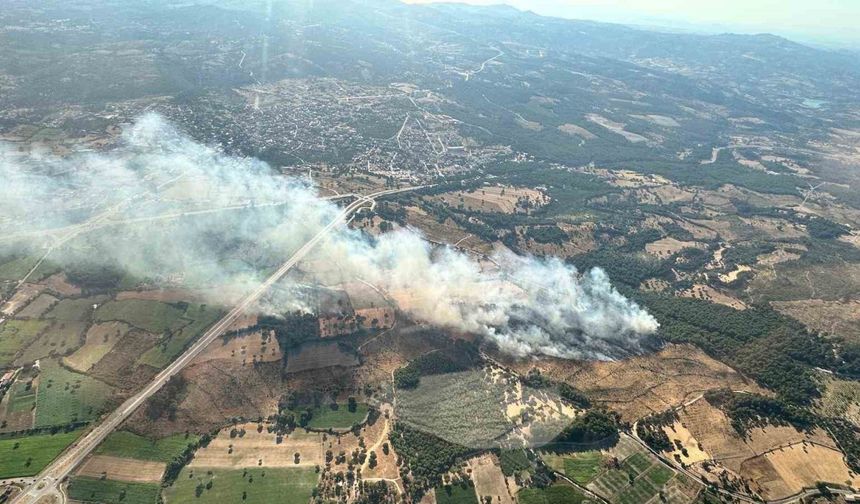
x=47 y=482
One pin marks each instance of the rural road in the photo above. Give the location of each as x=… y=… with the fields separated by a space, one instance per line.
x=48 y=481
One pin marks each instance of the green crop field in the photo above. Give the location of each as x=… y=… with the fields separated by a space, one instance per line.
x=456 y=494
x=647 y=475
x=580 y=467
x=325 y=417
x=15 y=335
x=26 y=456
x=21 y=398
x=249 y=486
x=195 y=321
x=152 y=316
x=75 y=309
x=556 y=494
x=128 y=445
x=106 y=491
x=62 y=338
x=66 y=396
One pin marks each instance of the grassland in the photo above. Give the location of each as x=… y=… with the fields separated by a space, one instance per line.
x=129 y=445
x=16 y=268
x=326 y=417
x=66 y=396
x=60 y=339
x=16 y=335
x=556 y=494
x=22 y=397
x=195 y=320
x=580 y=467
x=250 y=486
x=26 y=456
x=106 y=491
x=100 y=339
x=152 y=316
x=75 y=309
x=456 y=494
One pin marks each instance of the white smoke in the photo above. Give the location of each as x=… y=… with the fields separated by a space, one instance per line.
x=525 y=304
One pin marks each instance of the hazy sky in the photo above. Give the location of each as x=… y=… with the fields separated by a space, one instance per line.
x=825 y=21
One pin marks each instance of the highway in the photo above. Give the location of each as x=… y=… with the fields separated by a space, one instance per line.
x=47 y=483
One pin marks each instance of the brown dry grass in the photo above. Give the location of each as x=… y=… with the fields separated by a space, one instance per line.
x=495 y=199
x=708 y=293
x=646 y=384
x=803 y=465
x=247 y=349
x=250 y=449
x=444 y=232
x=841 y=318
x=123 y=469
x=489 y=479
x=38 y=306
x=22 y=296
x=59 y=284
x=665 y=247
x=99 y=340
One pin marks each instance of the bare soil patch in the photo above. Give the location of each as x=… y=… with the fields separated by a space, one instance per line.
x=22 y=296
x=708 y=293
x=123 y=469
x=835 y=318
x=258 y=346
x=665 y=247
x=489 y=479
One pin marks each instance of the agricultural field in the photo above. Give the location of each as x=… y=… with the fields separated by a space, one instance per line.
x=581 y=467
x=253 y=485
x=489 y=479
x=122 y=469
x=15 y=335
x=182 y=331
x=456 y=493
x=129 y=445
x=65 y=396
x=495 y=199
x=338 y=417
x=37 y=307
x=26 y=456
x=151 y=316
x=555 y=494
x=106 y=491
x=75 y=308
x=61 y=338
x=840 y=399
x=100 y=339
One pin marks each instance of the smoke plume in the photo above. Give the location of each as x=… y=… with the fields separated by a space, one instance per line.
x=162 y=207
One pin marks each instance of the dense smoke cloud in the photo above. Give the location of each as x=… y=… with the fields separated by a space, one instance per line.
x=241 y=218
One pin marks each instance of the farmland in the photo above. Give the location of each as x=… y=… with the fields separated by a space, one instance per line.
x=129 y=445
x=145 y=314
x=100 y=339
x=26 y=456
x=15 y=335
x=65 y=396
x=338 y=417
x=456 y=494
x=253 y=485
x=555 y=494
x=105 y=491
x=581 y=467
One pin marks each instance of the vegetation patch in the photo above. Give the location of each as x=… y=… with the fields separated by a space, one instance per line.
x=129 y=445
x=26 y=456
x=152 y=316
x=249 y=486
x=66 y=397
x=194 y=321
x=555 y=494
x=15 y=335
x=105 y=491
x=75 y=309
x=457 y=493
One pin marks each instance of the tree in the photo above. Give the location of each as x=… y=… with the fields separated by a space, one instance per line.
x=352 y=405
